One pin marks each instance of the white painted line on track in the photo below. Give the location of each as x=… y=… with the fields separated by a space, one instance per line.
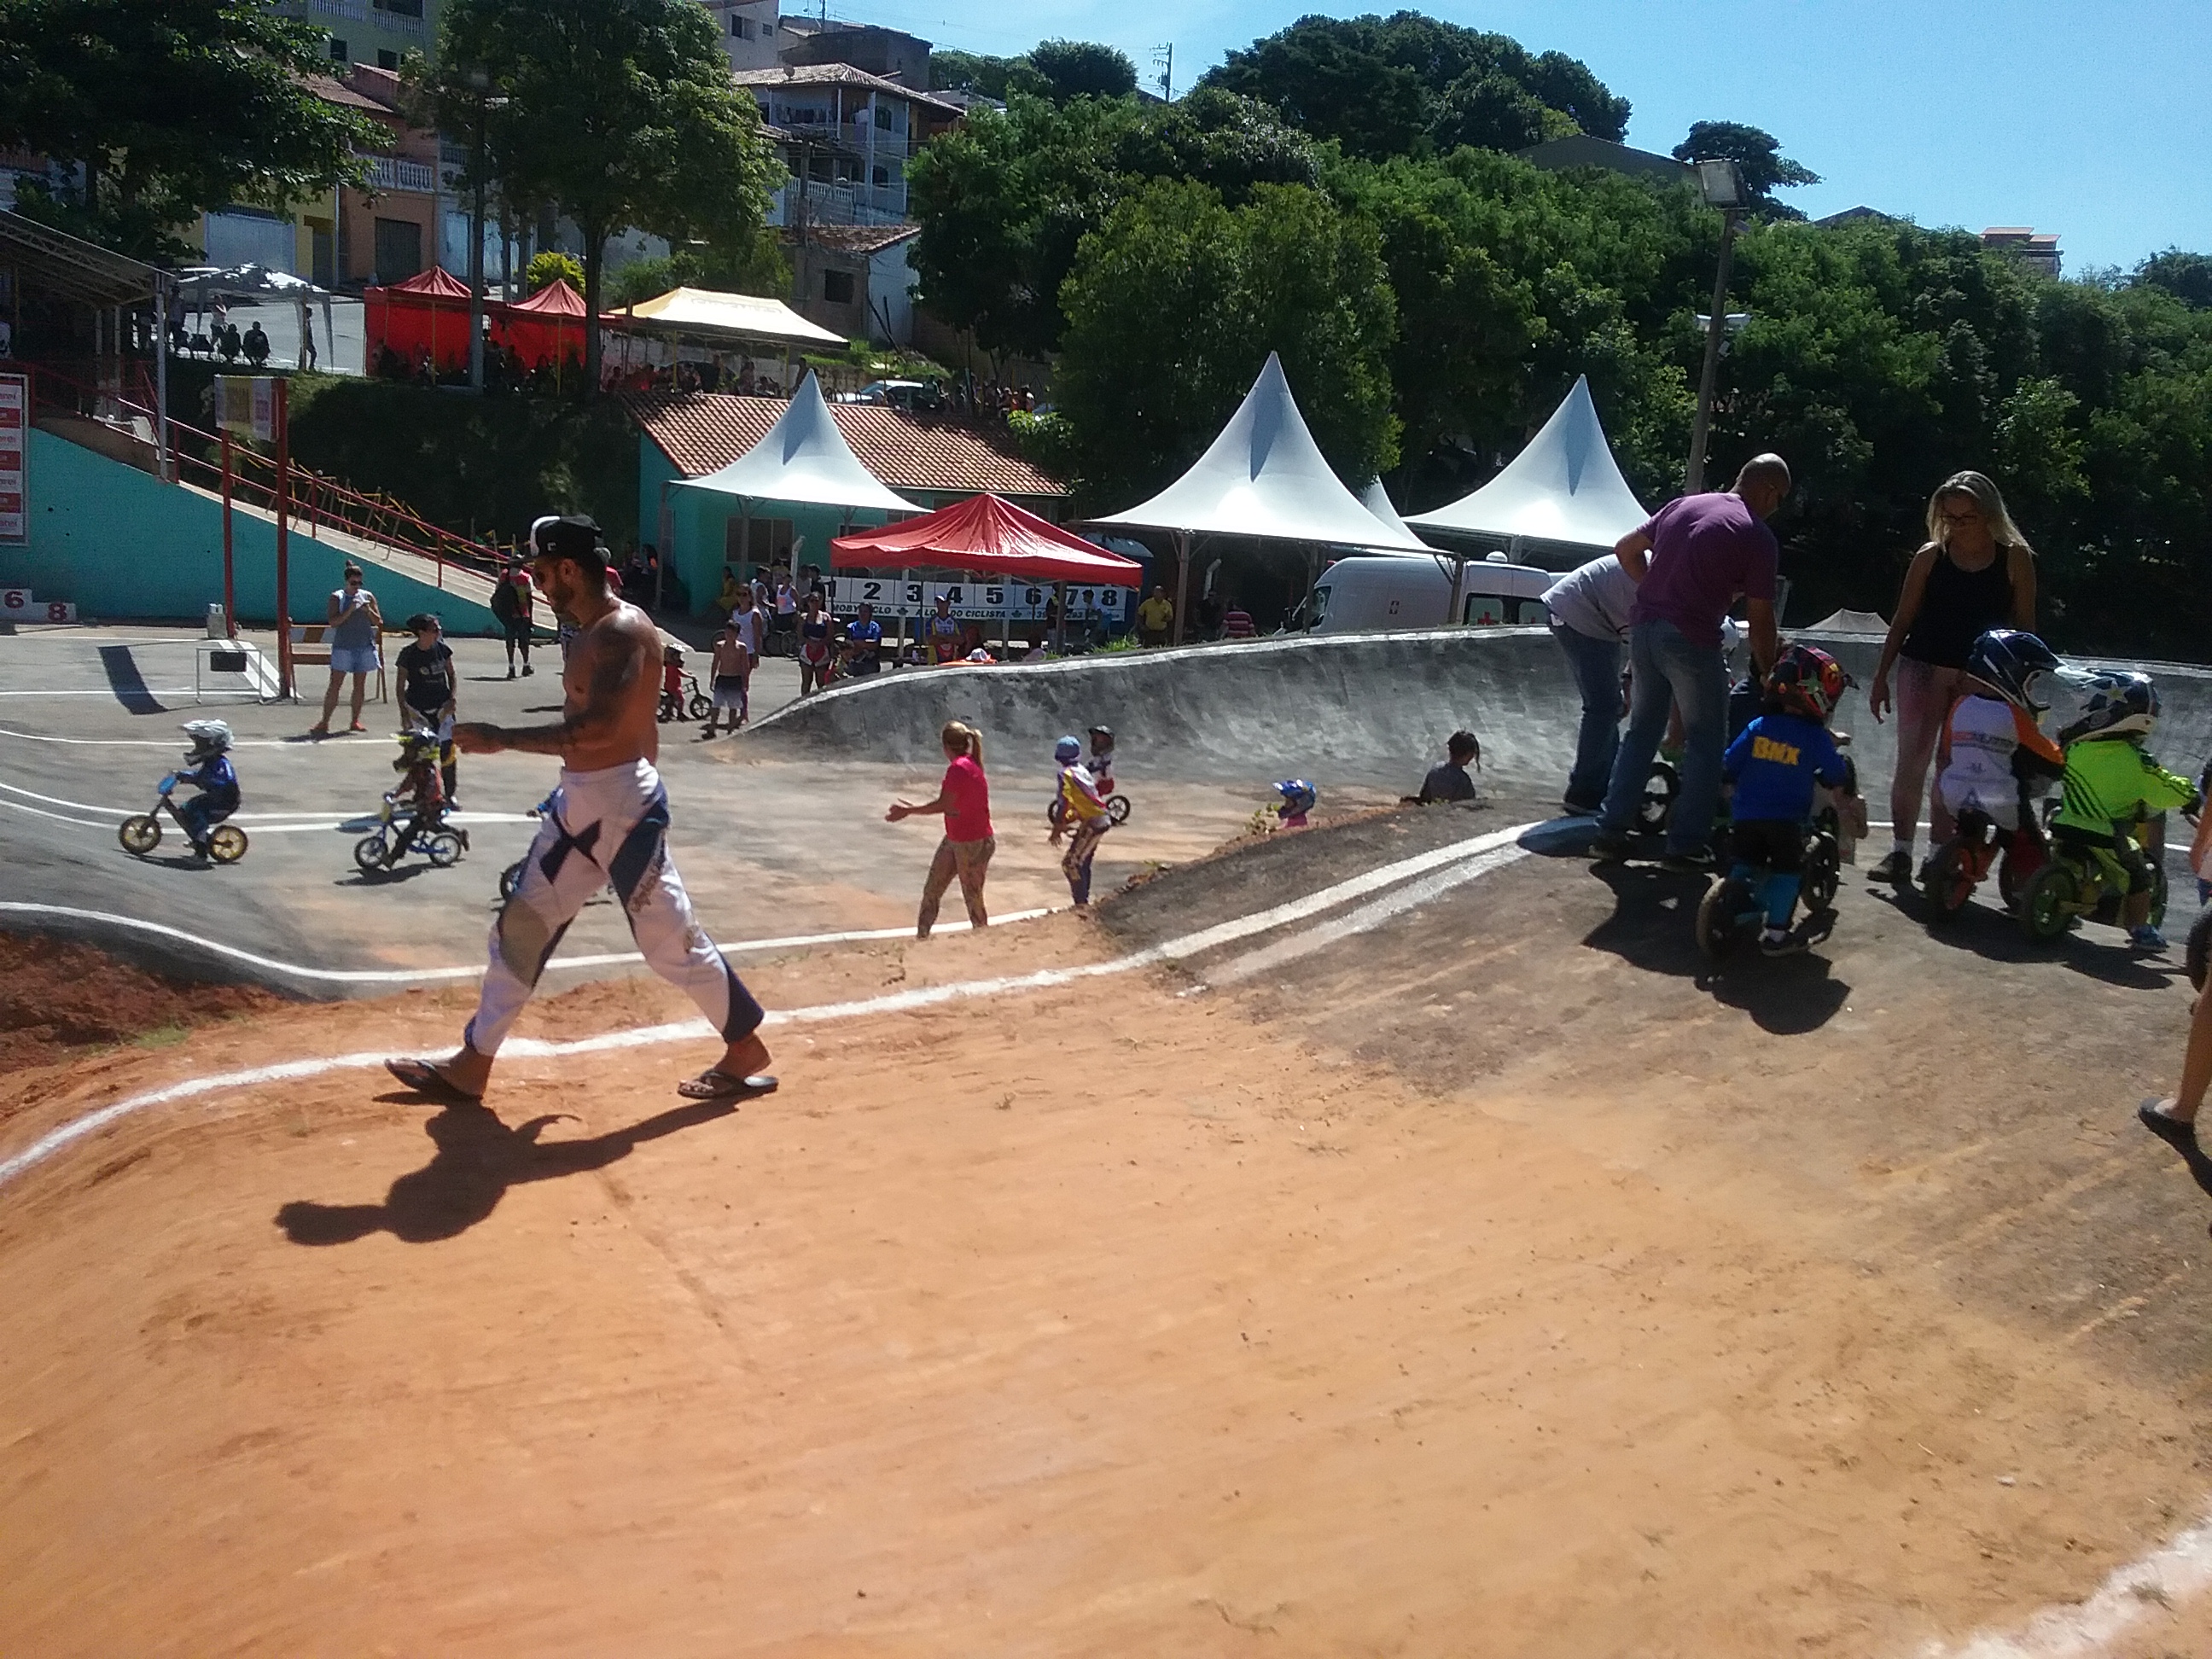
x=1188 y=945
x=2179 y=1568
x=425 y=975
x=304 y=745
x=1366 y=917
x=264 y=822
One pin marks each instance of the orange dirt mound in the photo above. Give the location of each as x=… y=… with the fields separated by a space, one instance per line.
x=57 y=998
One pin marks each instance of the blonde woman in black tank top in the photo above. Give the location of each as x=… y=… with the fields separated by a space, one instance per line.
x=1975 y=572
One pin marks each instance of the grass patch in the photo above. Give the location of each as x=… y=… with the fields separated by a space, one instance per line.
x=161 y=1037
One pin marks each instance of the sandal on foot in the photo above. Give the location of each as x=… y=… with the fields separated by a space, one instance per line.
x=2176 y=1134
x=714 y=1084
x=424 y=1078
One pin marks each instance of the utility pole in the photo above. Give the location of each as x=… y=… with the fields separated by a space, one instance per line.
x=482 y=84
x=1164 y=61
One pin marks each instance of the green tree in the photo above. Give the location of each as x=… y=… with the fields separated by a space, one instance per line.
x=1004 y=199
x=550 y=266
x=1174 y=303
x=763 y=270
x=2187 y=277
x=1407 y=84
x=1083 y=68
x=1758 y=155
x=163 y=109
x=984 y=75
x=621 y=114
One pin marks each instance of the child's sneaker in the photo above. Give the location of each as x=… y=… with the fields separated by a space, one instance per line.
x=2147 y=938
x=1779 y=942
x=1897 y=866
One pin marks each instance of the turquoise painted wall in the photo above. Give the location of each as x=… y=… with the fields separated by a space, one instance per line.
x=122 y=544
x=699 y=521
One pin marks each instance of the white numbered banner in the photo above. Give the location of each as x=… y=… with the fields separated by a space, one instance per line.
x=14 y=466
x=972 y=601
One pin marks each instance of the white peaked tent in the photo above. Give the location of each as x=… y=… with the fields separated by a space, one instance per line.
x=804 y=458
x=1263 y=477
x=1564 y=487
x=1376 y=500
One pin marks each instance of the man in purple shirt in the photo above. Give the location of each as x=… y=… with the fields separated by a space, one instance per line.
x=1691 y=559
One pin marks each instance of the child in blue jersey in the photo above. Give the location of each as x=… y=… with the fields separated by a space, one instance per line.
x=1774 y=764
x=208 y=769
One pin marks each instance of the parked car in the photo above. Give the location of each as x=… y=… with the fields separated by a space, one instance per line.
x=909 y=395
x=1387 y=591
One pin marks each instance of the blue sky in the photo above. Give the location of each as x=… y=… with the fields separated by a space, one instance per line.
x=2090 y=119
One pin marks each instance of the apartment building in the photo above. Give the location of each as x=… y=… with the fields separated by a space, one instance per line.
x=377 y=33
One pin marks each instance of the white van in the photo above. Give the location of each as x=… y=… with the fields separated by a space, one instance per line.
x=1408 y=590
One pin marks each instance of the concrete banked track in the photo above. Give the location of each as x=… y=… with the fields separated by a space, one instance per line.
x=1356 y=707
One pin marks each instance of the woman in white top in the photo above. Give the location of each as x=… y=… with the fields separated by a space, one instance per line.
x=356 y=627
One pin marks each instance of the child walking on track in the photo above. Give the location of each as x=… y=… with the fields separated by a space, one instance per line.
x=606 y=825
x=964 y=798
x=1083 y=818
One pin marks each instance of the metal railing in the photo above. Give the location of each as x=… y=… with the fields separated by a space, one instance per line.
x=315 y=502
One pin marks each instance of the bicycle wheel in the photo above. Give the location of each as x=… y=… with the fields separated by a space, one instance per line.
x=1823 y=866
x=1117 y=808
x=1054 y=812
x=701 y=705
x=368 y=852
x=141 y=834
x=227 y=843
x=2045 y=902
x=1719 y=916
x=444 y=848
x=1657 y=805
x=2157 y=893
x=1948 y=883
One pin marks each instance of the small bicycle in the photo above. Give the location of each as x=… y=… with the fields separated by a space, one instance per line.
x=1734 y=908
x=141 y=833
x=511 y=878
x=2074 y=885
x=693 y=704
x=1962 y=863
x=383 y=847
x=1117 y=810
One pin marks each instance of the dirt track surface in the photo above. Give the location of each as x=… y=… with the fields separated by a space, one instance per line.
x=1488 y=1282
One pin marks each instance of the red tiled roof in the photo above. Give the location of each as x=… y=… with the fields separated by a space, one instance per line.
x=853 y=238
x=705 y=431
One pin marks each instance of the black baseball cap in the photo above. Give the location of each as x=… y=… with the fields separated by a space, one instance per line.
x=577 y=538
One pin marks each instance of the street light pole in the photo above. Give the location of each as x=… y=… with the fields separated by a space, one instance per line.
x=1715 y=326
x=1720 y=185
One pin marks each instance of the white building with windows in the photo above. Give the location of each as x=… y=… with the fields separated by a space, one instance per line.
x=846 y=136
x=751 y=31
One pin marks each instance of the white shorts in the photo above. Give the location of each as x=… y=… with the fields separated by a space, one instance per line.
x=730 y=691
x=353 y=659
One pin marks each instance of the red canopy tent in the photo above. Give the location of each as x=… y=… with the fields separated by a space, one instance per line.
x=548 y=326
x=429 y=312
x=987 y=537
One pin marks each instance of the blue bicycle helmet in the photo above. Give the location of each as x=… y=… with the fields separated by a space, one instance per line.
x=2009 y=662
x=2115 y=702
x=1298 y=796
x=1067 y=750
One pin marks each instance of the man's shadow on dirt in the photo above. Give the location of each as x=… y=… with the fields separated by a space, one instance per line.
x=1654 y=926
x=478 y=1158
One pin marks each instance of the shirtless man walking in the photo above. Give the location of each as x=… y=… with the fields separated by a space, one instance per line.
x=607 y=825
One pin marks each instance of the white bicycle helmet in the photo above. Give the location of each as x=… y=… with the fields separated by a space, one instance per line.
x=208 y=736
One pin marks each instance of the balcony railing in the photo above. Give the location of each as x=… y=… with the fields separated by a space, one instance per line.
x=391 y=174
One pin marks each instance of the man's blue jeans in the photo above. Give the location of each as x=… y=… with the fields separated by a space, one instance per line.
x=1595 y=665
x=1669 y=669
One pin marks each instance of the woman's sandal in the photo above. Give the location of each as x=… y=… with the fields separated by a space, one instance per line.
x=716 y=1085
